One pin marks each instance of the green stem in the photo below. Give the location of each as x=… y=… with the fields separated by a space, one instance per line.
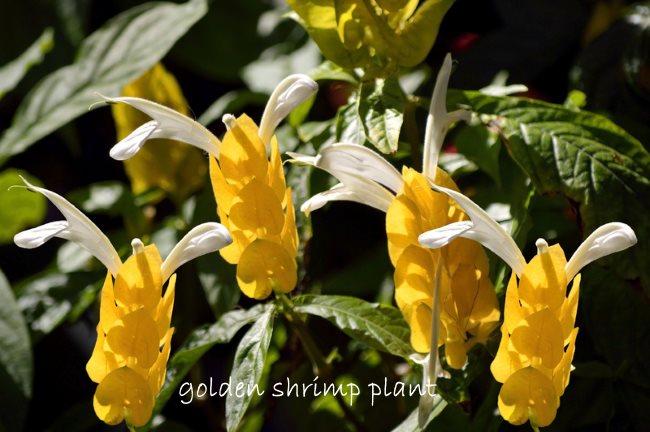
x=320 y=366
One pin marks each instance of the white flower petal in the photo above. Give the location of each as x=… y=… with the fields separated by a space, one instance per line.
x=201 y=240
x=605 y=240
x=129 y=146
x=484 y=230
x=360 y=191
x=438 y=120
x=442 y=236
x=35 y=237
x=360 y=161
x=171 y=124
x=291 y=92
x=79 y=229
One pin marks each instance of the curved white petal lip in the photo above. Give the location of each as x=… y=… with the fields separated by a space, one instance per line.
x=360 y=191
x=608 y=239
x=291 y=92
x=438 y=120
x=201 y=240
x=483 y=229
x=166 y=123
x=355 y=159
x=76 y=228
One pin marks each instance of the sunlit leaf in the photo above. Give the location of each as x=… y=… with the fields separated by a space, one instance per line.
x=12 y=73
x=248 y=367
x=379 y=326
x=120 y=51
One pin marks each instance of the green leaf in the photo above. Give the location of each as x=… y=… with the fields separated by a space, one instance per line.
x=583 y=156
x=248 y=367
x=12 y=73
x=379 y=326
x=216 y=277
x=410 y=424
x=15 y=349
x=20 y=208
x=381 y=109
x=48 y=300
x=117 y=53
x=349 y=126
x=199 y=342
x=481 y=147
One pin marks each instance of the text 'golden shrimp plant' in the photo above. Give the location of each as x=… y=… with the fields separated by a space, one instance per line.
x=538 y=335
x=253 y=201
x=133 y=334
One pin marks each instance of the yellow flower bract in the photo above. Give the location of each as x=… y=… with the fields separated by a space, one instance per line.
x=133 y=340
x=469 y=309
x=537 y=340
x=255 y=205
x=163 y=165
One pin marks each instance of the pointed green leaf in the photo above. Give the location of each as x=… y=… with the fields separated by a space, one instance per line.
x=248 y=367
x=379 y=326
x=381 y=109
x=583 y=156
x=199 y=342
x=12 y=73
x=117 y=53
x=15 y=348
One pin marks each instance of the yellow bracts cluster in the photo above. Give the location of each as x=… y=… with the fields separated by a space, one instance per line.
x=372 y=33
x=255 y=205
x=133 y=339
x=537 y=339
x=164 y=165
x=469 y=311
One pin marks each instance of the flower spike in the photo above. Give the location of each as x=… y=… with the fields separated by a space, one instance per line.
x=201 y=240
x=76 y=228
x=167 y=123
x=291 y=92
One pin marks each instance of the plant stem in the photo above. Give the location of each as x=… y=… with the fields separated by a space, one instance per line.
x=320 y=366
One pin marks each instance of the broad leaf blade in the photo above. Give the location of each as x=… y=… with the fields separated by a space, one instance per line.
x=114 y=55
x=199 y=342
x=15 y=349
x=410 y=424
x=583 y=156
x=379 y=326
x=248 y=367
x=381 y=108
x=13 y=72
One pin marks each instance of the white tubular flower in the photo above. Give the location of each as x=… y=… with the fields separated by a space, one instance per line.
x=365 y=176
x=201 y=240
x=167 y=123
x=481 y=228
x=605 y=240
x=76 y=228
x=438 y=120
x=291 y=92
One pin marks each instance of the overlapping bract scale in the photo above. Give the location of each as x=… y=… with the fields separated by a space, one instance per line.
x=133 y=340
x=255 y=205
x=469 y=310
x=537 y=340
